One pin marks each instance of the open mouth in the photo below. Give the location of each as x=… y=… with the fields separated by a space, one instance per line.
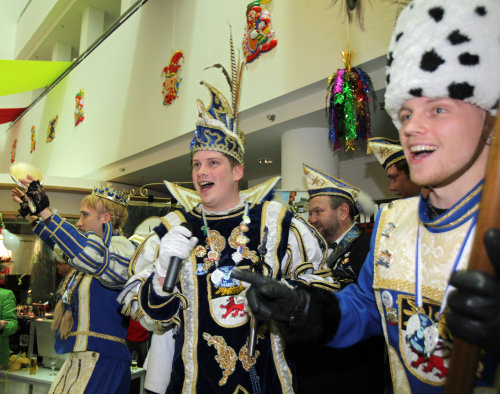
x=204 y=186
x=418 y=152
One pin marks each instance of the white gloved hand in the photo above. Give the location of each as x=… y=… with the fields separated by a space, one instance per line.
x=177 y=242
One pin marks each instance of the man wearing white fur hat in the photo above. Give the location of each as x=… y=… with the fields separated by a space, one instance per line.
x=442 y=92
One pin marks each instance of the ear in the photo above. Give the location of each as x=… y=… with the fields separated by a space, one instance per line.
x=106 y=217
x=343 y=211
x=237 y=172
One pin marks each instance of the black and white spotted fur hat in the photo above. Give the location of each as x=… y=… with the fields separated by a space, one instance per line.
x=445 y=48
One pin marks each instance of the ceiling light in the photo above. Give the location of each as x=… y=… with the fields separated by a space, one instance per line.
x=265 y=161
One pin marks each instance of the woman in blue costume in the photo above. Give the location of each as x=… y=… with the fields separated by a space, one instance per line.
x=87 y=318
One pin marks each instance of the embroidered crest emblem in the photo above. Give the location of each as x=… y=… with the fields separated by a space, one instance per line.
x=233 y=308
x=429 y=367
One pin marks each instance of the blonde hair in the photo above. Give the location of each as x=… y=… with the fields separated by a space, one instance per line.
x=117 y=211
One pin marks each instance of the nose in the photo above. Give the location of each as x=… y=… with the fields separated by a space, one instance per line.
x=79 y=224
x=312 y=219
x=392 y=186
x=414 y=125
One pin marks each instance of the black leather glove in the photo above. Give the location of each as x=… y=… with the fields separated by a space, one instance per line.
x=24 y=209
x=272 y=300
x=474 y=306
x=37 y=195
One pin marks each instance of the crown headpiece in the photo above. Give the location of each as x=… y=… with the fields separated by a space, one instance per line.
x=217 y=125
x=387 y=151
x=111 y=194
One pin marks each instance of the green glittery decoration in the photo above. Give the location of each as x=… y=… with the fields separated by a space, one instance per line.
x=349 y=115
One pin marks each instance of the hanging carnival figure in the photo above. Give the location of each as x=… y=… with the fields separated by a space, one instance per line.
x=172 y=80
x=259 y=35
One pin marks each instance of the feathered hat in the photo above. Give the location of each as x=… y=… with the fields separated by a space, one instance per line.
x=387 y=151
x=217 y=125
x=322 y=184
x=445 y=48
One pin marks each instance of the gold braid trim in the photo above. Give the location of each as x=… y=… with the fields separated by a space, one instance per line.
x=99 y=335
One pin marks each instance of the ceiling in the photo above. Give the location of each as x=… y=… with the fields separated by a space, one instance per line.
x=61 y=26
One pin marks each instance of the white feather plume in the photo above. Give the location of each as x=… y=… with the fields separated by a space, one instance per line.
x=365 y=204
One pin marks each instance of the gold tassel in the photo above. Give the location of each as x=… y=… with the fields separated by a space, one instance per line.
x=66 y=324
x=58 y=312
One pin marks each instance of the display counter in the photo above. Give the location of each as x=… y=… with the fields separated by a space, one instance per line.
x=21 y=382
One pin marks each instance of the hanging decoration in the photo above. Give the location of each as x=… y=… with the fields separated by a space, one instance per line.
x=349 y=94
x=33 y=139
x=172 y=79
x=51 y=134
x=79 y=117
x=259 y=35
x=13 y=151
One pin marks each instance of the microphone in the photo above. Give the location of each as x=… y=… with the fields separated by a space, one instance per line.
x=174 y=267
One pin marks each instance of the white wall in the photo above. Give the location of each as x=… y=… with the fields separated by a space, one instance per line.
x=121 y=78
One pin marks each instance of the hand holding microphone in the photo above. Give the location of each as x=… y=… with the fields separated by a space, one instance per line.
x=175 y=246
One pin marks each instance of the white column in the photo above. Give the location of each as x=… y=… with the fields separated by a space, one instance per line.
x=61 y=52
x=92 y=27
x=309 y=146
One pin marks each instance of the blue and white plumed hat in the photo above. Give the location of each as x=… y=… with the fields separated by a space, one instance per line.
x=387 y=151
x=217 y=125
x=322 y=184
x=445 y=48
x=111 y=194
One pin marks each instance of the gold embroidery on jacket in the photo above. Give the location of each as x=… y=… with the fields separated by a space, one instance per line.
x=226 y=356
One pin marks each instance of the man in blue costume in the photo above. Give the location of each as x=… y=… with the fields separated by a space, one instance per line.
x=391 y=157
x=216 y=351
x=442 y=93
x=87 y=318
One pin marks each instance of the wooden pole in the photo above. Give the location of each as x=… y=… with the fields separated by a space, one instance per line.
x=465 y=357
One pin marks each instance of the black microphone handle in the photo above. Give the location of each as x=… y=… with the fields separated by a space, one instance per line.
x=174 y=267
x=172 y=274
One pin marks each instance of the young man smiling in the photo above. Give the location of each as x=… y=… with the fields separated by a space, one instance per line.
x=87 y=319
x=216 y=351
x=442 y=93
x=390 y=155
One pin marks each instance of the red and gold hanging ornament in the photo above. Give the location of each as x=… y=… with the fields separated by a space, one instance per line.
x=79 y=116
x=51 y=130
x=33 y=139
x=13 y=151
x=348 y=98
x=172 y=80
x=259 y=35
